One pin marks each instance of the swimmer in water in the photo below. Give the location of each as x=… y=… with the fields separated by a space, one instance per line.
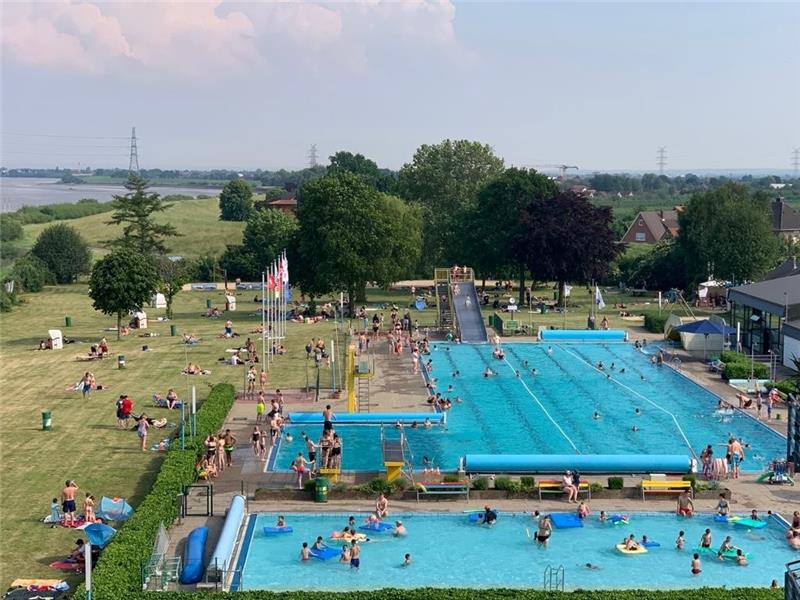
x=680 y=542
x=637 y=412
x=641 y=377
x=613 y=366
x=622 y=370
x=591 y=567
x=407 y=560
x=534 y=372
x=596 y=415
x=634 y=429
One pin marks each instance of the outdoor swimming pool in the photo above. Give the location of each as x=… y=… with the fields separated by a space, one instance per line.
x=551 y=412
x=447 y=550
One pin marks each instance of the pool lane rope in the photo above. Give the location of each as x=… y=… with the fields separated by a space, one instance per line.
x=544 y=410
x=635 y=393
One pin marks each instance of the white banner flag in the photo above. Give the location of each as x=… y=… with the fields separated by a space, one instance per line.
x=598 y=298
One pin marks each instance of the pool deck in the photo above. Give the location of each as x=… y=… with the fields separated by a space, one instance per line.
x=394 y=388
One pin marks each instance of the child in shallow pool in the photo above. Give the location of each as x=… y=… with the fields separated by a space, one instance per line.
x=583 y=510
x=696 y=569
x=407 y=560
x=680 y=542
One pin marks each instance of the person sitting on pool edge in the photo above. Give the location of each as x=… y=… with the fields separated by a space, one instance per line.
x=685 y=504
x=382 y=506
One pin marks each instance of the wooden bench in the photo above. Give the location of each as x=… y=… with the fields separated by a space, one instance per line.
x=552 y=486
x=442 y=488
x=673 y=486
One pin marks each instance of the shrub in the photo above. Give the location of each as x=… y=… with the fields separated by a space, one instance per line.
x=399 y=485
x=616 y=483
x=480 y=483
x=507 y=484
x=451 y=478
x=310 y=485
x=655 y=323
x=117 y=573
x=527 y=482
x=31 y=274
x=7 y=301
x=64 y=251
x=786 y=387
x=10 y=251
x=235 y=201
x=729 y=356
x=742 y=370
x=595 y=487
x=376 y=486
x=691 y=479
x=10 y=229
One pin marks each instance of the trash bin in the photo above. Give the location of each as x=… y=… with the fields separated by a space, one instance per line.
x=121 y=361
x=321 y=490
x=67 y=321
x=173 y=330
x=47 y=422
x=209 y=303
x=543 y=308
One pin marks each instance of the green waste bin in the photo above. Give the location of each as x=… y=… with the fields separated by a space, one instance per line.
x=47 y=421
x=209 y=303
x=173 y=330
x=121 y=361
x=321 y=490
x=67 y=321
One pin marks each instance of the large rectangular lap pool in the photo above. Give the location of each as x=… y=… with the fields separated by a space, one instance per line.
x=551 y=411
x=449 y=551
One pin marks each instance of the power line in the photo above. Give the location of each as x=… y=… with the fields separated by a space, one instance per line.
x=312 y=156
x=52 y=135
x=661 y=159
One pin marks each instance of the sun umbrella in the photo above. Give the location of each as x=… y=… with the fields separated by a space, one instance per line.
x=114 y=509
x=99 y=534
x=706 y=328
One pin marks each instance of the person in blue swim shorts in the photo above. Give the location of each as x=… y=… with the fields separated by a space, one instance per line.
x=355 y=555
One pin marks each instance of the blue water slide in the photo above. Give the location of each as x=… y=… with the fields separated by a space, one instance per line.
x=315 y=418
x=193 y=555
x=468 y=313
x=223 y=552
x=583 y=463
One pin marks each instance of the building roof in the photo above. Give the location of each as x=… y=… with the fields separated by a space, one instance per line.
x=659 y=221
x=284 y=202
x=784 y=217
x=785 y=269
x=772 y=296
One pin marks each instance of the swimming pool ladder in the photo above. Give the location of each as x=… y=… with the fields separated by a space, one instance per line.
x=553 y=580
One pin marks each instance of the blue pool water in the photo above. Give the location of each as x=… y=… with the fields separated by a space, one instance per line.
x=447 y=550
x=551 y=412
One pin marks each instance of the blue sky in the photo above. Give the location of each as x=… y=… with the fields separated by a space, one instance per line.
x=247 y=85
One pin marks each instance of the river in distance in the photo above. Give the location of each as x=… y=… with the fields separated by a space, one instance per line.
x=16 y=192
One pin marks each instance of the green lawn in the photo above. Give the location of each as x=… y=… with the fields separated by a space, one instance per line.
x=197 y=220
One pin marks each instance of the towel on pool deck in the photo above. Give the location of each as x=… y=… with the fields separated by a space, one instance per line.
x=566 y=520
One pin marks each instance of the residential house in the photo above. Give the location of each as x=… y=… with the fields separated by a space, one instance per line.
x=651 y=226
x=785 y=220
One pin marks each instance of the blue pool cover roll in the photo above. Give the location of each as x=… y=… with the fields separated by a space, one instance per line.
x=233 y=521
x=583 y=463
x=193 y=555
x=315 y=418
x=588 y=335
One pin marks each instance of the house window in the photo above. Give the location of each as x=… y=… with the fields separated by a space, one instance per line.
x=640 y=237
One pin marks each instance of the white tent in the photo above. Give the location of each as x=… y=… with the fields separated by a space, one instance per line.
x=158 y=301
x=56 y=339
x=142 y=318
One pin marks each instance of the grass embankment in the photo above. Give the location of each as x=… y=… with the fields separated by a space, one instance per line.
x=198 y=221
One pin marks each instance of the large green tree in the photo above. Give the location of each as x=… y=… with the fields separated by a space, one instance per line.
x=122 y=281
x=360 y=165
x=136 y=212
x=235 y=201
x=566 y=238
x=727 y=232
x=496 y=222
x=350 y=234
x=267 y=233
x=64 y=251
x=445 y=179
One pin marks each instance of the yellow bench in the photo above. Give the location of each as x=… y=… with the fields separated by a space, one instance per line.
x=670 y=486
x=551 y=486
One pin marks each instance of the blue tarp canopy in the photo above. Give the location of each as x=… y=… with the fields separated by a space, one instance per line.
x=705 y=327
x=99 y=534
x=114 y=509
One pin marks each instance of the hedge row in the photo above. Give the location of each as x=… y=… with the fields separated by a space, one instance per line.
x=738 y=366
x=483 y=594
x=117 y=574
x=655 y=323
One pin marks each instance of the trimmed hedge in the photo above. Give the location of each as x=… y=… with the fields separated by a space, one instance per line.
x=478 y=594
x=117 y=574
x=738 y=366
x=655 y=323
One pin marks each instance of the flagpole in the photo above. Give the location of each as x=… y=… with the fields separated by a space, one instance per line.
x=263 y=321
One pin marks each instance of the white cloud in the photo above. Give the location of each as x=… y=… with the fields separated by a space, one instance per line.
x=213 y=38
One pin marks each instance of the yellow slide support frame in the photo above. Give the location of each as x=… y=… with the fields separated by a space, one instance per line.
x=393 y=470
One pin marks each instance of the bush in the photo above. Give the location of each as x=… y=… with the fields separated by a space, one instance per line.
x=616 y=483
x=60 y=212
x=117 y=574
x=691 y=479
x=785 y=387
x=729 y=356
x=451 y=478
x=507 y=484
x=31 y=274
x=10 y=251
x=7 y=301
x=235 y=201
x=64 y=251
x=379 y=485
x=742 y=370
x=655 y=323
x=527 y=482
x=595 y=487
x=399 y=485
x=480 y=483
x=10 y=229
